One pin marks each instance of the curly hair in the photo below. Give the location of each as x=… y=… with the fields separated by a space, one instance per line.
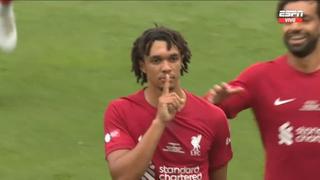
x=142 y=45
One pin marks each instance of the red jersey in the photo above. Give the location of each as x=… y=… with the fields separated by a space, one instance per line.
x=286 y=104
x=195 y=142
x=5 y=2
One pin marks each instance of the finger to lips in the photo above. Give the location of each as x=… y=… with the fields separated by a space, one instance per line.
x=166 y=85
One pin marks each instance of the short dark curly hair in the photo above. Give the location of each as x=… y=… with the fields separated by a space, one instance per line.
x=142 y=45
x=283 y=3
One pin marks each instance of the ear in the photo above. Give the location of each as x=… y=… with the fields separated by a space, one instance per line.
x=142 y=66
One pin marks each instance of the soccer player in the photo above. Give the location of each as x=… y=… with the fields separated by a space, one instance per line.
x=284 y=95
x=163 y=131
x=8 y=32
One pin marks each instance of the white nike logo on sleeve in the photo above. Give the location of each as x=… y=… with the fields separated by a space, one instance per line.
x=278 y=102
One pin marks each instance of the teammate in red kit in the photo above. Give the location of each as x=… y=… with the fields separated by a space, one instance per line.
x=5 y=2
x=163 y=131
x=284 y=95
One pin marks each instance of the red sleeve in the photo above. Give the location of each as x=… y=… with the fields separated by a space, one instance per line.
x=116 y=132
x=221 y=152
x=236 y=103
x=5 y=2
x=247 y=80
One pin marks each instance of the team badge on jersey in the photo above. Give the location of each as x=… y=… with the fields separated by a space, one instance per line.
x=195 y=142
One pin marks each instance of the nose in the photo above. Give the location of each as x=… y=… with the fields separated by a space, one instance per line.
x=166 y=66
x=296 y=26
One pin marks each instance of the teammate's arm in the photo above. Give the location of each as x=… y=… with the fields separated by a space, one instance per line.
x=131 y=164
x=220 y=92
x=219 y=174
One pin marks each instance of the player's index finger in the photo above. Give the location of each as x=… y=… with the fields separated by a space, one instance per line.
x=166 y=85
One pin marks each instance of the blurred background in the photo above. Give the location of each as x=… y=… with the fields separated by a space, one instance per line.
x=73 y=57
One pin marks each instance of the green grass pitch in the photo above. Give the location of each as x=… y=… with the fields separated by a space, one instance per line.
x=73 y=57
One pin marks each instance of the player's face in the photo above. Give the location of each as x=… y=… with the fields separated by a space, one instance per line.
x=160 y=62
x=301 y=38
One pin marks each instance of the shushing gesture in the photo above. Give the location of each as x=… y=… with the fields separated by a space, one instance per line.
x=169 y=103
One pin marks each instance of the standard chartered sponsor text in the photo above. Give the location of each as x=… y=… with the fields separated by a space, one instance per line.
x=180 y=173
x=308 y=134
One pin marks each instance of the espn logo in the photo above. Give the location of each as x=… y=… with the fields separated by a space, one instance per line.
x=290 y=16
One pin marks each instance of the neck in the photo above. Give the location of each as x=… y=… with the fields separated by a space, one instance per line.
x=152 y=94
x=308 y=64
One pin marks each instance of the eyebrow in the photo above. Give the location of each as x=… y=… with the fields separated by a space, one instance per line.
x=173 y=54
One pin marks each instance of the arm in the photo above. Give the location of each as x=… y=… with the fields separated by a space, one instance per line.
x=131 y=164
x=230 y=98
x=220 y=92
x=240 y=93
x=221 y=151
x=219 y=174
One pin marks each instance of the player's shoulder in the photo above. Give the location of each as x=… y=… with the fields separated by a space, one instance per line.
x=212 y=116
x=264 y=66
x=125 y=101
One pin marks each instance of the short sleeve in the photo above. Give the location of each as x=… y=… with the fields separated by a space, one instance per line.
x=246 y=80
x=116 y=134
x=221 y=151
x=238 y=102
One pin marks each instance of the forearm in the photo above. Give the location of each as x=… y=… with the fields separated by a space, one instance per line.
x=219 y=174
x=133 y=163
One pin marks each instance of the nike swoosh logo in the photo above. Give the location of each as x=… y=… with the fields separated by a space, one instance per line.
x=278 y=102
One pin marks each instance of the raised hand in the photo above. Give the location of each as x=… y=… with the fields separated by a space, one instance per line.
x=219 y=93
x=169 y=103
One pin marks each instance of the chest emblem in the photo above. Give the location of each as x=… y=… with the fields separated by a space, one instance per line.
x=195 y=142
